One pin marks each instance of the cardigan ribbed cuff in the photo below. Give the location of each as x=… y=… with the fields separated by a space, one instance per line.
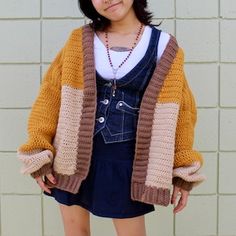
x=179 y=182
x=44 y=170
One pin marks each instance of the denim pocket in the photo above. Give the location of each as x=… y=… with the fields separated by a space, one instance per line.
x=123 y=106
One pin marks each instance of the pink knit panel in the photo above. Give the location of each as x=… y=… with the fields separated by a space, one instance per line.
x=66 y=139
x=160 y=166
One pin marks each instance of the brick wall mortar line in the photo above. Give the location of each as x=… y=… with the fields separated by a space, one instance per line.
x=219 y=110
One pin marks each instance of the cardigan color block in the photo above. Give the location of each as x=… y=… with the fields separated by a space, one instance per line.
x=62 y=119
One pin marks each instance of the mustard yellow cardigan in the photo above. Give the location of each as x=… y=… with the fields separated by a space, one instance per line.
x=62 y=119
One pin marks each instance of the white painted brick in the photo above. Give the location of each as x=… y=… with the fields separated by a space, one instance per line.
x=20 y=41
x=19 y=9
x=228 y=39
x=11 y=180
x=13 y=128
x=209 y=168
x=227 y=129
x=228 y=8
x=203 y=80
x=21 y=85
x=227 y=215
x=101 y=226
x=196 y=9
x=61 y=8
x=166 y=25
x=227 y=173
x=206 y=131
x=228 y=85
x=202 y=210
x=21 y=215
x=53 y=224
x=154 y=221
x=55 y=34
x=202 y=43
x=162 y=8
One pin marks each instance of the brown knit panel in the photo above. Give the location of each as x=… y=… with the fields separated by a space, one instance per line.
x=150 y=195
x=146 y=114
x=87 y=120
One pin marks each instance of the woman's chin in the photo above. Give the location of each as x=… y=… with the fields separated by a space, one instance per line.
x=116 y=17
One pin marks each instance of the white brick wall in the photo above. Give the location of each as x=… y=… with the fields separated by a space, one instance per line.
x=32 y=31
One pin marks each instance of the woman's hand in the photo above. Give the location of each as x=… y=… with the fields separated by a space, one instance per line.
x=183 y=198
x=42 y=184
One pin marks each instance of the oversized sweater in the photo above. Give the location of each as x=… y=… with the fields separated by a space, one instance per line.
x=62 y=119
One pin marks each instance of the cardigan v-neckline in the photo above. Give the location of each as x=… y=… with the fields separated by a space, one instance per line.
x=162 y=67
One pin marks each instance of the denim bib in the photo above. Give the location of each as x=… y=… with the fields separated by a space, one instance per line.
x=117 y=116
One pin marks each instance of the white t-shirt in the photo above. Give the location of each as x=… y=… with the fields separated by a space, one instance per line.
x=102 y=63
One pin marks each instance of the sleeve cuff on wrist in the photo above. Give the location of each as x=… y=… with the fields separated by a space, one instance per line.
x=46 y=169
x=179 y=182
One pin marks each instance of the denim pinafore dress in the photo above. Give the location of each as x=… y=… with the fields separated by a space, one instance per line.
x=106 y=191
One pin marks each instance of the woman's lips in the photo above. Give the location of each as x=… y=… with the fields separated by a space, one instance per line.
x=113 y=5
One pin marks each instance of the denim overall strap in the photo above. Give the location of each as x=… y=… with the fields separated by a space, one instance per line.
x=117 y=116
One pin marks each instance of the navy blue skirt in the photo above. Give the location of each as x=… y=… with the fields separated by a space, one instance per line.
x=106 y=191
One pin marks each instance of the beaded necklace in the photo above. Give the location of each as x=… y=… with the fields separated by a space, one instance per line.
x=114 y=70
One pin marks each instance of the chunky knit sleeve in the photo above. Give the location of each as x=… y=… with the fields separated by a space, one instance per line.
x=187 y=161
x=38 y=152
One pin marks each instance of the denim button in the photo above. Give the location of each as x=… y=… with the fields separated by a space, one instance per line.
x=105 y=101
x=101 y=119
x=120 y=104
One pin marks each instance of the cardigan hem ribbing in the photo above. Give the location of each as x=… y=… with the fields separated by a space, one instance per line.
x=139 y=191
x=149 y=194
x=65 y=182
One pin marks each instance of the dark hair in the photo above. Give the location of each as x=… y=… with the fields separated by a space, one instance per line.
x=100 y=23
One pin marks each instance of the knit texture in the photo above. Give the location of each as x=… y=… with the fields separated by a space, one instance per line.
x=62 y=119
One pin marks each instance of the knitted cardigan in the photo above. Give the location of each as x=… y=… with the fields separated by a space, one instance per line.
x=62 y=119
